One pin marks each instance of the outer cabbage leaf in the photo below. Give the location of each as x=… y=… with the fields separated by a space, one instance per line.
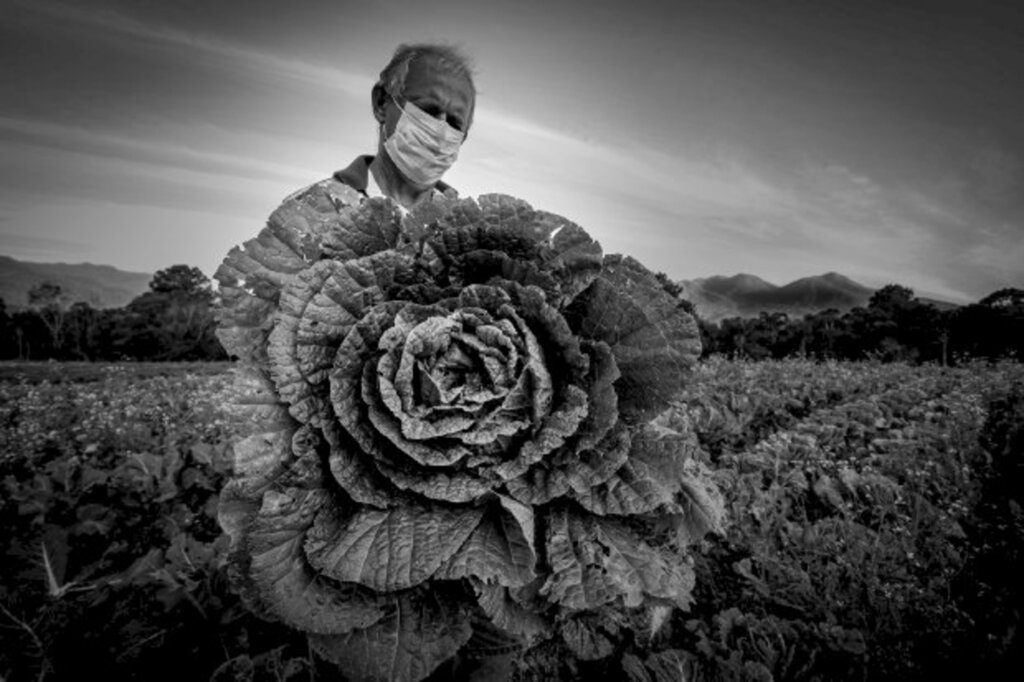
x=371 y=227
x=632 y=490
x=505 y=236
x=501 y=548
x=595 y=561
x=653 y=341
x=662 y=666
x=586 y=639
x=388 y=550
x=699 y=504
x=508 y=614
x=259 y=458
x=251 y=276
x=283 y=581
x=419 y=630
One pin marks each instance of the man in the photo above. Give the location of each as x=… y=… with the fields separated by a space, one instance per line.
x=423 y=104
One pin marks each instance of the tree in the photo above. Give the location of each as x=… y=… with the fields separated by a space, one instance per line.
x=991 y=328
x=1005 y=299
x=824 y=331
x=181 y=280
x=173 y=320
x=7 y=345
x=81 y=331
x=897 y=326
x=891 y=297
x=50 y=302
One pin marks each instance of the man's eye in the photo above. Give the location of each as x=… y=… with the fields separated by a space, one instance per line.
x=455 y=123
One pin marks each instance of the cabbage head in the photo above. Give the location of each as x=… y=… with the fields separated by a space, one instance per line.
x=458 y=434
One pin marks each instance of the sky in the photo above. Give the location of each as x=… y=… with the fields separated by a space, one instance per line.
x=880 y=140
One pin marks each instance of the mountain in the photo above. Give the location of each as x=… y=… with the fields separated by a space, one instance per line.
x=746 y=295
x=101 y=286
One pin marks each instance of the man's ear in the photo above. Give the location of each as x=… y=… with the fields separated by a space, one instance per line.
x=379 y=102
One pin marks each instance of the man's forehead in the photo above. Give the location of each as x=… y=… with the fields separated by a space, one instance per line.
x=428 y=73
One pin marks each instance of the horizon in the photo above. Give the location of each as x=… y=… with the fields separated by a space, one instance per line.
x=779 y=139
x=918 y=294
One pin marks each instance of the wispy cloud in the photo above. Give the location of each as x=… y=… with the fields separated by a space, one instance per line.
x=172 y=154
x=22 y=243
x=111 y=21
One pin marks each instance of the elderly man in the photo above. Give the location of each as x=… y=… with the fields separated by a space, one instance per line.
x=423 y=104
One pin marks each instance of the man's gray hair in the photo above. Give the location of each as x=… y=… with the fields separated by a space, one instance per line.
x=448 y=58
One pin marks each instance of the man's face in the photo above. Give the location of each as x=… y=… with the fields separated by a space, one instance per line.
x=438 y=93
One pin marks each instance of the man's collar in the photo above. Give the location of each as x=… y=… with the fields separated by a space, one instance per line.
x=357 y=175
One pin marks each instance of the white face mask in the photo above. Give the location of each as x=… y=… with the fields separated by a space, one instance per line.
x=423 y=147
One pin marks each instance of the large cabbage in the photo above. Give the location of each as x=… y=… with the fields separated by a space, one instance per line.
x=458 y=436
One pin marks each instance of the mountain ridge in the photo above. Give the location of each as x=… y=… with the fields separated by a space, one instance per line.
x=715 y=297
x=745 y=295
x=101 y=286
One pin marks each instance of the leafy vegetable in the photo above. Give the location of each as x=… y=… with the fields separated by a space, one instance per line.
x=454 y=420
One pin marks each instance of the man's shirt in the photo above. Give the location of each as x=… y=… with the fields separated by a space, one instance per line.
x=354 y=183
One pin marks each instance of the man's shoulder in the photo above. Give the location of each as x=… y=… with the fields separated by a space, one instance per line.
x=348 y=186
x=338 y=192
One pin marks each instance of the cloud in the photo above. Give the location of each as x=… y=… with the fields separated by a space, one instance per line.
x=111 y=21
x=135 y=238
x=170 y=154
x=11 y=242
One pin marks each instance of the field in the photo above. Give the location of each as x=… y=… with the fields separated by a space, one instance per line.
x=875 y=528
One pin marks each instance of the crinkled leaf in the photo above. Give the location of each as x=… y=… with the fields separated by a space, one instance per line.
x=654 y=341
x=420 y=630
x=259 y=458
x=545 y=482
x=286 y=585
x=595 y=561
x=603 y=411
x=371 y=226
x=251 y=276
x=672 y=665
x=490 y=642
x=633 y=489
x=317 y=309
x=435 y=452
x=455 y=487
x=586 y=640
x=500 y=549
x=549 y=245
x=388 y=550
x=357 y=476
x=253 y=404
x=665 y=444
x=346 y=378
x=700 y=503
x=508 y=614
x=570 y=410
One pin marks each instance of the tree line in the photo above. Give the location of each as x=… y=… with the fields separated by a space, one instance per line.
x=894 y=326
x=174 y=320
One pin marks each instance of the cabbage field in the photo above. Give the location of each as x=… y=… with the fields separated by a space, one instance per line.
x=874 y=531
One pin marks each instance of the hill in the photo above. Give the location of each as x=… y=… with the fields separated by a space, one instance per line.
x=101 y=286
x=747 y=295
